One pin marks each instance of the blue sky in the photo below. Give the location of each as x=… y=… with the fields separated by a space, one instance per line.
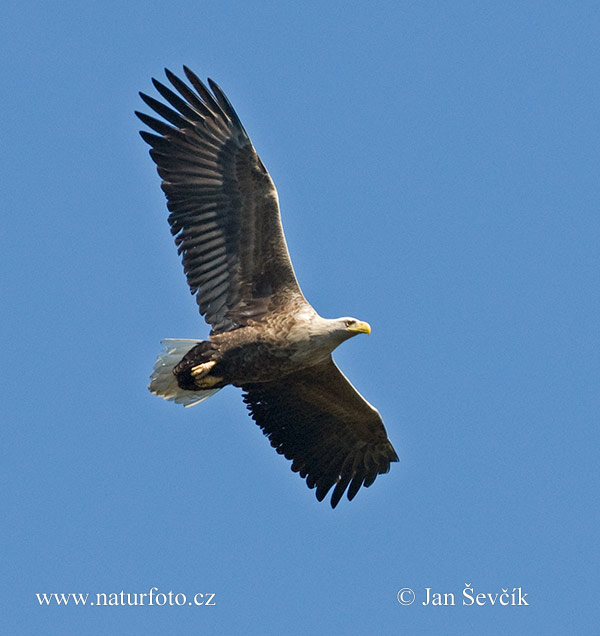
x=437 y=167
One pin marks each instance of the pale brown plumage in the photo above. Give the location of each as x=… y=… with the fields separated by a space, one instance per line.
x=265 y=338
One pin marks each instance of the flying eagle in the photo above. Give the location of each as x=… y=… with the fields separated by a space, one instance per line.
x=265 y=338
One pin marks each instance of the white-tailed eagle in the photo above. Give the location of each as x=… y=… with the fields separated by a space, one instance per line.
x=266 y=338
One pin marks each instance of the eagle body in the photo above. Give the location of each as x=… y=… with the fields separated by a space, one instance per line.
x=266 y=338
x=262 y=352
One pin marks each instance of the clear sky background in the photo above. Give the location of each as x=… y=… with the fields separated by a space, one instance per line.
x=438 y=171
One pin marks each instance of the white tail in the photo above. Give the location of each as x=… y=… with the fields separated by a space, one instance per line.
x=163 y=381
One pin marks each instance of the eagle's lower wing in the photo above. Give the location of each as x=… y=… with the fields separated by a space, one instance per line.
x=224 y=209
x=317 y=419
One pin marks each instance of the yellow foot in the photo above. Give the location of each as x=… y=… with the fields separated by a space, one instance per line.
x=208 y=382
x=201 y=378
x=200 y=370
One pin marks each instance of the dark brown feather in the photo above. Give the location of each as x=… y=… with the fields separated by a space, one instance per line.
x=316 y=418
x=206 y=161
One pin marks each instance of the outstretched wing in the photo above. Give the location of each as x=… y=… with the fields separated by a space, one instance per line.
x=223 y=205
x=331 y=433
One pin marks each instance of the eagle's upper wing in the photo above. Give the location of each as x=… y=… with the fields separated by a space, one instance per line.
x=224 y=209
x=331 y=433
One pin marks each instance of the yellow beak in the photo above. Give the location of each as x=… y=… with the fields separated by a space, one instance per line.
x=360 y=327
